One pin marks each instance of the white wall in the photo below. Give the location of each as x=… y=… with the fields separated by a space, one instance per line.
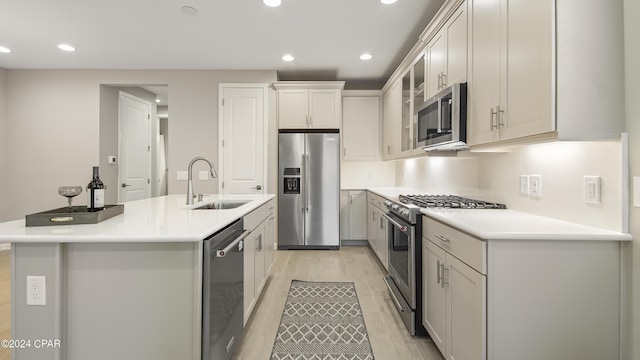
x=3 y=142
x=52 y=128
x=632 y=91
x=364 y=174
x=440 y=174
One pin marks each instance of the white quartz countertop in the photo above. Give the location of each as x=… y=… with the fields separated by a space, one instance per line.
x=160 y=219
x=393 y=192
x=493 y=224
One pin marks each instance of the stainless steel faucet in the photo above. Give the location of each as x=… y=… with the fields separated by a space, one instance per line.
x=190 y=182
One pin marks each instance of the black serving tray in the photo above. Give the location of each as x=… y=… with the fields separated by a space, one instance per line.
x=77 y=215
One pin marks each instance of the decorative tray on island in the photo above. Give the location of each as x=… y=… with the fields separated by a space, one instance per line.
x=74 y=215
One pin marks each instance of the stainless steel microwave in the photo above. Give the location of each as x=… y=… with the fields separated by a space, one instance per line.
x=441 y=122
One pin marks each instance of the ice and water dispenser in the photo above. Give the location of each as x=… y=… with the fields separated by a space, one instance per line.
x=291 y=178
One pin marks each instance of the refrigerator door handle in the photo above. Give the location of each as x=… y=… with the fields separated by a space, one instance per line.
x=307 y=176
x=304 y=182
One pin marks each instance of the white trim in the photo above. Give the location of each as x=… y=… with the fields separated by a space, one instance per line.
x=149 y=140
x=265 y=129
x=308 y=84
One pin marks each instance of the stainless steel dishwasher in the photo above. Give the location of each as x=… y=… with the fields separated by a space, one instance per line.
x=223 y=292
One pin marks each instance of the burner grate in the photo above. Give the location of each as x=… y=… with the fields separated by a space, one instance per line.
x=448 y=201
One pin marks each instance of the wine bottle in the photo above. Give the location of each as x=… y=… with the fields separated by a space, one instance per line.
x=95 y=190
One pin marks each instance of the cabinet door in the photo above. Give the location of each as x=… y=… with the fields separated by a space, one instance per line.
x=434 y=294
x=269 y=240
x=357 y=215
x=383 y=241
x=456 y=52
x=249 y=276
x=259 y=261
x=392 y=119
x=361 y=128
x=436 y=60
x=324 y=109
x=529 y=69
x=466 y=311
x=372 y=226
x=293 y=108
x=486 y=71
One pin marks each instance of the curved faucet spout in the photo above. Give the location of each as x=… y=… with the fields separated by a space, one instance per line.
x=212 y=170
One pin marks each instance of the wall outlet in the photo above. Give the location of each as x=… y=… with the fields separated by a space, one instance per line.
x=591 y=189
x=535 y=185
x=36 y=290
x=524 y=184
x=203 y=175
x=182 y=175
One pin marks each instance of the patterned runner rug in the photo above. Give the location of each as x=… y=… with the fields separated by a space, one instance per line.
x=322 y=321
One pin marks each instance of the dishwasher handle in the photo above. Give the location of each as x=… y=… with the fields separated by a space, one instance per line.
x=223 y=252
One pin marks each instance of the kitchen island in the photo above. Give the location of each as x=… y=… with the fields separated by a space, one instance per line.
x=127 y=288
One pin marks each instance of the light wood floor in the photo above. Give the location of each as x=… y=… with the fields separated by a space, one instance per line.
x=389 y=338
x=5 y=301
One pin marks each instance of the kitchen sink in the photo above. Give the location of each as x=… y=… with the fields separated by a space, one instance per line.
x=222 y=205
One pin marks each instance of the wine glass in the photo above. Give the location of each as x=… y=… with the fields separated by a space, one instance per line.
x=70 y=192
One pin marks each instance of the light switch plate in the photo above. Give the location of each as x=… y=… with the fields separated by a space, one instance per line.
x=636 y=191
x=203 y=175
x=524 y=184
x=182 y=175
x=36 y=290
x=535 y=185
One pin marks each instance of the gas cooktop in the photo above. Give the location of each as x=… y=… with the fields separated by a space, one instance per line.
x=448 y=201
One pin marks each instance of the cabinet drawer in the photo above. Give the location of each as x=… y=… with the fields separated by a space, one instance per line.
x=468 y=249
x=376 y=200
x=254 y=218
x=271 y=207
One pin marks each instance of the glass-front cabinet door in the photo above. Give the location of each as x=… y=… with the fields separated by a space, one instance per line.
x=407 y=110
x=419 y=93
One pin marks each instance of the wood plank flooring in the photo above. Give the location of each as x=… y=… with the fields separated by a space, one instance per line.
x=389 y=338
x=5 y=301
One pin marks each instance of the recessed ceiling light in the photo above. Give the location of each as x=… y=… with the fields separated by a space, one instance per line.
x=272 y=3
x=365 y=56
x=157 y=100
x=388 y=2
x=288 y=57
x=66 y=47
x=4 y=50
x=189 y=10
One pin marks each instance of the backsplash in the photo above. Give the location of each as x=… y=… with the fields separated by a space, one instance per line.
x=496 y=177
x=363 y=174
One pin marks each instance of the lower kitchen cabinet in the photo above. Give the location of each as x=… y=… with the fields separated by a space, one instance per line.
x=377 y=228
x=257 y=245
x=454 y=304
x=353 y=215
x=520 y=299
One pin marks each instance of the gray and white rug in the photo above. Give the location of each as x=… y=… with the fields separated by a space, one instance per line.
x=322 y=321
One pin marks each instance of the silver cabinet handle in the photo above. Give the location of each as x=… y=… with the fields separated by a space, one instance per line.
x=444 y=80
x=259 y=187
x=443 y=238
x=493 y=126
x=439 y=81
x=438 y=271
x=307 y=120
x=444 y=282
x=310 y=120
x=499 y=112
x=258 y=243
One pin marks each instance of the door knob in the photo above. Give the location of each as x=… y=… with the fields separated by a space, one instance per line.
x=259 y=187
x=125 y=185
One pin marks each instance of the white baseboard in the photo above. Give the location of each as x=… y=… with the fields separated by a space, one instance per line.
x=5 y=246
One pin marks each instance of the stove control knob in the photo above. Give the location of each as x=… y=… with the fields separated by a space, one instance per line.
x=405 y=212
x=395 y=207
x=387 y=203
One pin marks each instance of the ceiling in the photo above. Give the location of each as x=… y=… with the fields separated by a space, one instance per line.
x=326 y=37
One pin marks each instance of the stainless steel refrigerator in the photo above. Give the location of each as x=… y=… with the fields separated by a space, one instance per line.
x=309 y=189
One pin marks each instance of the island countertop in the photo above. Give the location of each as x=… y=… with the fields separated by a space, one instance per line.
x=158 y=219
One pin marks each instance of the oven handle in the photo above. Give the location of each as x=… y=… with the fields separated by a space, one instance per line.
x=393 y=296
x=402 y=228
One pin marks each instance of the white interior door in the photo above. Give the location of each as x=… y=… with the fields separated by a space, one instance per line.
x=134 y=144
x=243 y=146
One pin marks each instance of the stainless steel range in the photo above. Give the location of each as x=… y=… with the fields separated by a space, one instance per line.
x=405 y=249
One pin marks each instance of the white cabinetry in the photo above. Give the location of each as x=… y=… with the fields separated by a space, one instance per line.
x=256 y=246
x=392 y=135
x=353 y=215
x=511 y=73
x=478 y=294
x=454 y=298
x=361 y=126
x=304 y=105
x=377 y=228
x=447 y=53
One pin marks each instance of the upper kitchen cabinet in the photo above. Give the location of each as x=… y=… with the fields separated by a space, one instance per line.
x=309 y=105
x=361 y=125
x=407 y=113
x=447 y=53
x=392 y=120
x=545 y=70
x=511 y=71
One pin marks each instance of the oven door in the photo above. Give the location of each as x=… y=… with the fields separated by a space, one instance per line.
x=401 y=257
